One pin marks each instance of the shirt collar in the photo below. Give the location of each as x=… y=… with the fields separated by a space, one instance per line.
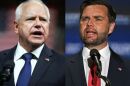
x=105 y=52
x=85 y=53
x=38 y=51
x=20 y=51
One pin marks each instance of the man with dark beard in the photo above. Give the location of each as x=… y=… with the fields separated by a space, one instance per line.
x=97 y=22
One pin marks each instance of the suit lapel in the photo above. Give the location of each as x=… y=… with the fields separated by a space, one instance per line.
x=41 y=67
x=77 y=70
x=116 y=69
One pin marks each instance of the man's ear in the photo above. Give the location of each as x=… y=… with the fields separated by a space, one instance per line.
x=15 y=27
x=112 y=27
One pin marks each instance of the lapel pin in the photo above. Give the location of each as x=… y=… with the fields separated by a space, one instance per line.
x=47 y=59
x=119 y=68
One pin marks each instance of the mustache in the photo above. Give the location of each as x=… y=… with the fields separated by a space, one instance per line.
x=87 y=30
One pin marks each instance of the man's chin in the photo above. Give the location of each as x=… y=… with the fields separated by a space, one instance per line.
x=90 y=42
x=36 y=43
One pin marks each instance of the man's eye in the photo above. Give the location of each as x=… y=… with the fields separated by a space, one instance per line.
x=30 y=19
x=43 y=19
x=98 y=18
x=84 y=18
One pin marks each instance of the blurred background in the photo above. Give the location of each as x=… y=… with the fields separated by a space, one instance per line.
x=8 y=37
x=119 y=40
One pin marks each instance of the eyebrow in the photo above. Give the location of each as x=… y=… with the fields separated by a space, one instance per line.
x=87 y=17
x=98 y=16
x=41 y=18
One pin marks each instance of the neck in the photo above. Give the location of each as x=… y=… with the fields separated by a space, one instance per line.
x=98 y=47
x=29 y=48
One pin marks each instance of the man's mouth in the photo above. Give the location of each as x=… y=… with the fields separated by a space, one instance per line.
x=90 y=32
x=37 y=33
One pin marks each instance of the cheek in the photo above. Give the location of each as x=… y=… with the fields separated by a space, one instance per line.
x=82 y=32
x=103 y=28
x=104 y=32
x=82 y=28
x=47 y=32
x=26 y=28
x=82 y=25
x=23 y=31
x=46 y=28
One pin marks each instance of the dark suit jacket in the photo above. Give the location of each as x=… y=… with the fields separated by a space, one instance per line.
x=117 y=74
x=49 y=70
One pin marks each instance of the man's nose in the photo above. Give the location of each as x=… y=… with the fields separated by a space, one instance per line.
x=38 y=23
x=37 y=26
x=90 y=22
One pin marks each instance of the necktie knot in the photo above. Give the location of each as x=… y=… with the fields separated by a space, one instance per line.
x=27 y=56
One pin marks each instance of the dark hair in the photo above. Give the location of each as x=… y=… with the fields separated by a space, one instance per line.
x=111 y=11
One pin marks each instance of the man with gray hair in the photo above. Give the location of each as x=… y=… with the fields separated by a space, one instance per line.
x=35 y=63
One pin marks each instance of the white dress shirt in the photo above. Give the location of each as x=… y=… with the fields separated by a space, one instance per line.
x=19 y=63
x=105 y=58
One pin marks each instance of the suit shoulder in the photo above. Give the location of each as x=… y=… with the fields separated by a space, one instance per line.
x=117 y=57
x=72 y=56
x=58 y=55
x=4 y=51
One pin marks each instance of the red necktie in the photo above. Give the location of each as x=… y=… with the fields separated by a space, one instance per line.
x=93 y=79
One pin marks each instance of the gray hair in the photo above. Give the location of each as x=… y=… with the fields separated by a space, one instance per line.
x=19 y=9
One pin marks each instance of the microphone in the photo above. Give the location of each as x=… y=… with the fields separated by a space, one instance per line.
x=96 y=58
x=6 y=72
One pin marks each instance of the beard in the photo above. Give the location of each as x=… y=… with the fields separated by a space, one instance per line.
x=100 y=39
